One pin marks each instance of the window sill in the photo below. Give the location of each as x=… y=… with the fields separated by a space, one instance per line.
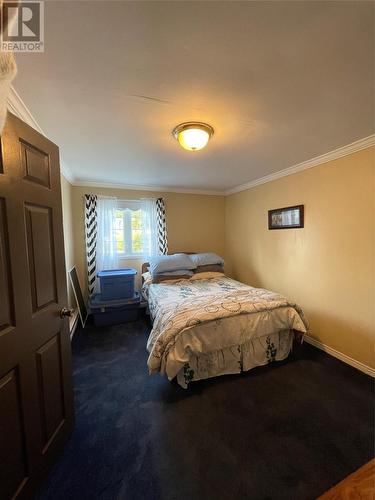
x=132 y=257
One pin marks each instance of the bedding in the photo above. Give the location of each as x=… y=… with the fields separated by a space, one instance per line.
x=206 y=259
x=207 y=275
x=166 y=276
x=175 y=262
x=212 y=267
x=172 y=275
x=210 y=327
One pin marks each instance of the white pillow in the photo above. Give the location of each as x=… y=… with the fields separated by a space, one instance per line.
x=206 y=259
x=164 y=263
x=206 y=276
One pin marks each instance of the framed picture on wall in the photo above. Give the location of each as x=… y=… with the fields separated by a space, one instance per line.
x=286 y=218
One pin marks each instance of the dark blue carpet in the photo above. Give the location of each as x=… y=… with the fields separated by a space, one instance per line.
x=288 y=431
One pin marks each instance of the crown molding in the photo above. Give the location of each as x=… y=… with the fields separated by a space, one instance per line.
x=66 y=172
x=18 y=107
x=353 y=147
x=132 y=187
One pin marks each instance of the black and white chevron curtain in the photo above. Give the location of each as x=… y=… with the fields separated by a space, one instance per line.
x=162 y=227
x=91 y=231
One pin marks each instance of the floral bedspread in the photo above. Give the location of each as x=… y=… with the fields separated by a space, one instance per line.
x=196 y=317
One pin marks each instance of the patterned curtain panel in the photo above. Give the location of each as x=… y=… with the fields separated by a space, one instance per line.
x=91 y=226
x=162 y=227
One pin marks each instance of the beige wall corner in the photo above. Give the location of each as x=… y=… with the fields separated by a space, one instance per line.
x=194 y=223
x=67 y=206
x=328 y=266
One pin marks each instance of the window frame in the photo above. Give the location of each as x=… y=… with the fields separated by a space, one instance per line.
x=132 y=205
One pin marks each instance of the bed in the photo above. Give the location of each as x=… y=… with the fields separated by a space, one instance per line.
x=205 y=328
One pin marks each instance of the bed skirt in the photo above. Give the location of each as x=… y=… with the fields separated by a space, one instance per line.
x=236 y=359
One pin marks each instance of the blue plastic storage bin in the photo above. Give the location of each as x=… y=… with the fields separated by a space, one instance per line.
x=113 y=312
x=117 y=283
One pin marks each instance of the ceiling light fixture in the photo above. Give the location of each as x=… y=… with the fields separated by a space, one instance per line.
x=193 y=135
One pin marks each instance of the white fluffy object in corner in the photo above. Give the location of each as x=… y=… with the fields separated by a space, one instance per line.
x=8 y=70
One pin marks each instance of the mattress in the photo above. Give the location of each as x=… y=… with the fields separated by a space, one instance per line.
x=196 y=322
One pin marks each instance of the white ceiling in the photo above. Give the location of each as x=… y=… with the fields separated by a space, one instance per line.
x=280 y=82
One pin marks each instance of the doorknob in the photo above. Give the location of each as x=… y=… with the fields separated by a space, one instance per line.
x=66 y=312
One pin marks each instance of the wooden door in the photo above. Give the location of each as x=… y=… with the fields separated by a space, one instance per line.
x=36 y=402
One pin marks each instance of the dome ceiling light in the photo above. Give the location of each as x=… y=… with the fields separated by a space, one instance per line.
x=193 y=136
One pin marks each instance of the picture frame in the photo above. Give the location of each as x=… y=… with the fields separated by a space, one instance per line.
x=286 y=218
x=82 y=309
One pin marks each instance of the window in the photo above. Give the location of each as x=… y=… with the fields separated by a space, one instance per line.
x=128 y=229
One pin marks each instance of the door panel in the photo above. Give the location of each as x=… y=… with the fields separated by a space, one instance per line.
x=12 y=440
x=51 y=388
x=35 y=164
x=6 y=292
x=36 y=397
x=39 y=240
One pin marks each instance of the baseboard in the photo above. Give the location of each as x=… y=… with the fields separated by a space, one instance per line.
x=342 y=357
x=73 y=322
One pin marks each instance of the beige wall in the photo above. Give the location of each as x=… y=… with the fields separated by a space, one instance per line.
x=67 y=204
x=327 y=267
x=194 y=223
